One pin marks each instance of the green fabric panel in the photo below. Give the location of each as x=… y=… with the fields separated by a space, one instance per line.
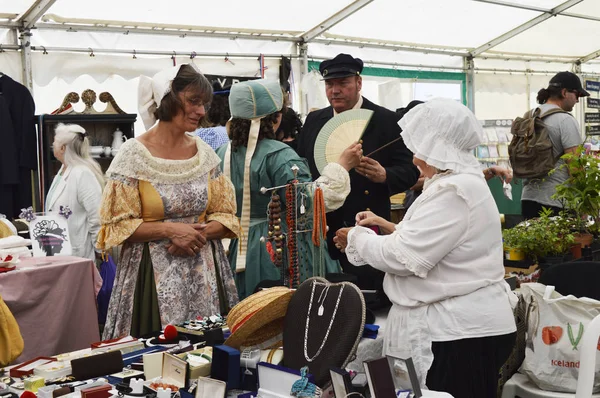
x=146 y=315
x=506 y=206
x=410 y=74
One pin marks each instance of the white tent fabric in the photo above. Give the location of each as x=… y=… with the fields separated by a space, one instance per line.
x=421 y=35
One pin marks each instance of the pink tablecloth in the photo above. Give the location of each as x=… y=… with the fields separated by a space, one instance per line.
x=54 y=302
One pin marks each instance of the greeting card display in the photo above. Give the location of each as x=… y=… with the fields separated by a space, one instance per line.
x=49 y=235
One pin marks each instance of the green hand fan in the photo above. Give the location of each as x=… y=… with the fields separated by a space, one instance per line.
x=338 y=134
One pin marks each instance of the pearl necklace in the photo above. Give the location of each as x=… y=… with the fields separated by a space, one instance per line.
x=320 y=313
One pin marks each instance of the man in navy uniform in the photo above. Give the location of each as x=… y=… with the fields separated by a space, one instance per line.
x=385 y=173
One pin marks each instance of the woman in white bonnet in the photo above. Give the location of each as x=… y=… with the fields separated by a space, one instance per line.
x=451 y=308
x=169 y=205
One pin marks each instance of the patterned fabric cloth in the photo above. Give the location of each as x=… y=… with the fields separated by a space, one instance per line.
x=181 y=191
x=213 y=136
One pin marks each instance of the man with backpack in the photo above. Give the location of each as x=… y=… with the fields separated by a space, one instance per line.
x=541 y=137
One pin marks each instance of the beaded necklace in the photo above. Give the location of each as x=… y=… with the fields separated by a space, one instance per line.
x=293 y=271
x=274 y=230
x=319 y=229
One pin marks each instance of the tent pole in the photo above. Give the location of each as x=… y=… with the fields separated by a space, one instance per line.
x=527 y=25
x=469 y=66
x=333 y=20
x=150 y=52
x=528 y=78
x=303 y=55
x=581 y=110
x=25 y=39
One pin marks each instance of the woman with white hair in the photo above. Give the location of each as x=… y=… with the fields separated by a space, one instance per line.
x=78 y=187
x=451 y=308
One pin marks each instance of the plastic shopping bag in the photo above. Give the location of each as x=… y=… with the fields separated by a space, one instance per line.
x=108 y=270
x=555 y=326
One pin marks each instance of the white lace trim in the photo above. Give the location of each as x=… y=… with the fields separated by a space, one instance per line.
x=351 y=252
x=436 y=177
x=336 y=182
x=410 y=260
x=134 y=160
x=439 y=182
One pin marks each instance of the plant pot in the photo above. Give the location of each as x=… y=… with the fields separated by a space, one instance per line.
x=584 y=238
x=576 y=250
x=593 y=251
x=514 y=254
x=549 y=261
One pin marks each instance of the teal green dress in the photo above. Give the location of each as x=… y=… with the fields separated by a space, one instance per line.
x=272 y=166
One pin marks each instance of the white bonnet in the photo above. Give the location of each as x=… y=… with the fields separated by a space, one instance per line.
x=443 y=133
x=152 y=90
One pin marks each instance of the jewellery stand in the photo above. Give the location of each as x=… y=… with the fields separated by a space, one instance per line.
x=323 y=326
x=283 y=244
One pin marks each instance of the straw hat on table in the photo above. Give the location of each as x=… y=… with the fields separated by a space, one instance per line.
x=258 y=319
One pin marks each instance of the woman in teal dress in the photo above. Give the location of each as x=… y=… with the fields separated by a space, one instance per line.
x=255 y=108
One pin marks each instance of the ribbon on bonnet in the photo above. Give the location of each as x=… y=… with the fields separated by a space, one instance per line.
x=151 y=91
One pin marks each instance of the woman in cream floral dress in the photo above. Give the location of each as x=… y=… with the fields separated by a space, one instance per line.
x=169 y=205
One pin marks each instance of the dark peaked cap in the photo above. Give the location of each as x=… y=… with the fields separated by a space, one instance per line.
x=343 y=65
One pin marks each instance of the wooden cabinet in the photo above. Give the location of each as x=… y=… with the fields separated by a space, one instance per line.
x=100 y=129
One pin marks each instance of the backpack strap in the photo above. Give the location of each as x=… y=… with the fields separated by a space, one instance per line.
x=552 y=112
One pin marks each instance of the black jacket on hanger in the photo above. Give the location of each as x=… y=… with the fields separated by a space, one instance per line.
x=19 y=145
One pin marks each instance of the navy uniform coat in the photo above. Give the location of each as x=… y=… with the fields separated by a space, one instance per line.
x=365 y=194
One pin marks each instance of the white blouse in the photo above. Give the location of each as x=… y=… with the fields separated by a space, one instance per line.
x=444 y=268
x=78 y=188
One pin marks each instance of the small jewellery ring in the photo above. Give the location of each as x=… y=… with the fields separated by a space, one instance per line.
x=195 y=248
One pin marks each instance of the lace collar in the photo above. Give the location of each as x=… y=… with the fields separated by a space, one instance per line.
x=134 y=160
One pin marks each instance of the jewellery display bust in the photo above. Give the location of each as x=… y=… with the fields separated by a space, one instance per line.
x=323 y=326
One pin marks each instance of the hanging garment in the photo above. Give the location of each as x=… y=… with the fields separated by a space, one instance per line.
x=19 y=144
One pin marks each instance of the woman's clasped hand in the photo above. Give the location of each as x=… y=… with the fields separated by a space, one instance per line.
x=186 y=239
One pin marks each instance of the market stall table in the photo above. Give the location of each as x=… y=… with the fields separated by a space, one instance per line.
x=54 y=302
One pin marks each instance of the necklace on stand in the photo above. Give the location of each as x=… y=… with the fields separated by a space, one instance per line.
x=274 y=230
x=291 y=218
x=319 y=229
x=320 y=311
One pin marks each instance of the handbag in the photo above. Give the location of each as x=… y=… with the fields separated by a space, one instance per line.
x=555 y=327
x=108 y=271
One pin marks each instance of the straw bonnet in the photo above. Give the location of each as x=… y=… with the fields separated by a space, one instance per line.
x=258 y=319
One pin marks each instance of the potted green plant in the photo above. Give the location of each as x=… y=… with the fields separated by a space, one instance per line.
x=580 y=193
x=554 y=238
x=546 y=239
x=517 y=243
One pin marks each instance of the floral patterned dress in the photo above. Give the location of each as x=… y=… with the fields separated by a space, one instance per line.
x=143 y=188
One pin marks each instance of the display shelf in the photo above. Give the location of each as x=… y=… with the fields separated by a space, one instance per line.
x=497 y=133
x=494 y=149
x=100 y=129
